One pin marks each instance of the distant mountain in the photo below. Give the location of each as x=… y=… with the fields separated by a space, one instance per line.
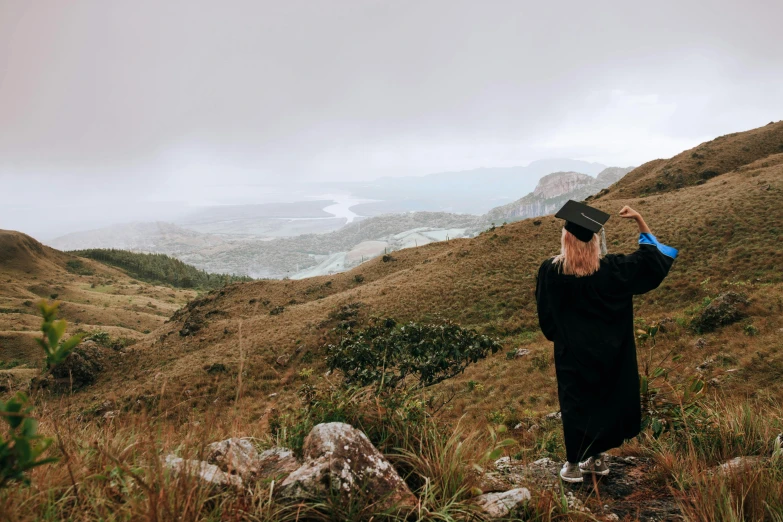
x=159 y=237
x=552 y=191
x=463 y=192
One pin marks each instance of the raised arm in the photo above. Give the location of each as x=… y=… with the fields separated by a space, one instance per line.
x=646 y=268
x=629 y=213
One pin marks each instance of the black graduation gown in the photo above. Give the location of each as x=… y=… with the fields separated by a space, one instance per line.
x=590 y=320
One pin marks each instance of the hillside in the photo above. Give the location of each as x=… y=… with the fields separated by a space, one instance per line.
x=487 y=282
x=159 y=269
x=93 y=297
x=552 y=191
x=706 y=161
x=248 y=360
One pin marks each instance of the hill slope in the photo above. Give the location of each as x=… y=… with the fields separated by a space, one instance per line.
x=248 y=358
x=93 y=297
x=725 y=229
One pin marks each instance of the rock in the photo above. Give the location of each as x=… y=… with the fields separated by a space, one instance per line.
x=714 y=382
x=701 y=342
x=738 y=465
x=611 y=517
x=503 y=463
x=498 y=505
x=724 y=310
x=237 y=456
x=779 y=442
x=554 y=416
x=341 y=458
x=546 y=462
x=283 y=359
x=240 y=457
x=521 y=352
x=207 y=473
x=275 y=462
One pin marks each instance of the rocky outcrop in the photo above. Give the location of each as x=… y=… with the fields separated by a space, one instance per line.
x=552 y=191
x=236 y=456
x=338 y=457
x=559 y=183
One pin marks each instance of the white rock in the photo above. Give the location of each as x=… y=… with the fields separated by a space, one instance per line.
x=204 y=471
x=275 y=462
x=738 y=465
x=498 y=505
x=342 y=458
x=237 y=456
x=503 y=463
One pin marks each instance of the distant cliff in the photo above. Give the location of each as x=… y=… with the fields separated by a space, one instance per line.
x=552 y=191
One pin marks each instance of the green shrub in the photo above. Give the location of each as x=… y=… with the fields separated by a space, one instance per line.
x=22 y=448
x=75 y=266
x=384 y=354
x=53 y=330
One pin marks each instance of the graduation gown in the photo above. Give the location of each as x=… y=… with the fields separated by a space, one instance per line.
x=590 y=321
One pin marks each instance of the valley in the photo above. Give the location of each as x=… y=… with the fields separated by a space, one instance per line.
x=275 y=241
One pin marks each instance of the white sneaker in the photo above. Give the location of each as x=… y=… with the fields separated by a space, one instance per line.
x=571 y=473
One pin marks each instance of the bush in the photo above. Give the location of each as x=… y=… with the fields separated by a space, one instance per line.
x=75 y=266
x=724 y=310
x=384 y=354
x=20 y=451
x=81 y=368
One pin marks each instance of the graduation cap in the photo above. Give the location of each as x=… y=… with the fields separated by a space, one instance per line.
x=582 y=220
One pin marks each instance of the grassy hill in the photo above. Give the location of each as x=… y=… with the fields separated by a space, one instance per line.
x=238 y=360
x=158 y=269
x=93 y=297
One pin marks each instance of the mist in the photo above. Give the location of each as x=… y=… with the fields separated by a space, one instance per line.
x=141 y=111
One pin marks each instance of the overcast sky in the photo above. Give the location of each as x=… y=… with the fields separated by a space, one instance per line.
x=153 y=100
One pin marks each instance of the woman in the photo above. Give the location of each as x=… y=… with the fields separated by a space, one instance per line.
x=585 y=306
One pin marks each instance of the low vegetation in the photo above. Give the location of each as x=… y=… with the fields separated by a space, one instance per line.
x=158 y=269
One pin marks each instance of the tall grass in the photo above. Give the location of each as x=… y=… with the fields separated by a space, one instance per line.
x=752 y=490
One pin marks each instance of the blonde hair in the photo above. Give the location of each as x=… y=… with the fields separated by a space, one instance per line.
x=577 y=257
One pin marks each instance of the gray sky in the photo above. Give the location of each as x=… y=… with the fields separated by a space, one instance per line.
x=158 y=100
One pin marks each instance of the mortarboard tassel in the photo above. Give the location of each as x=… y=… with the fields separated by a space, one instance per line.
x=603 y=242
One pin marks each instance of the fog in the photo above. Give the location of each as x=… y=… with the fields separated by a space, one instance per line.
x=118 y=111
